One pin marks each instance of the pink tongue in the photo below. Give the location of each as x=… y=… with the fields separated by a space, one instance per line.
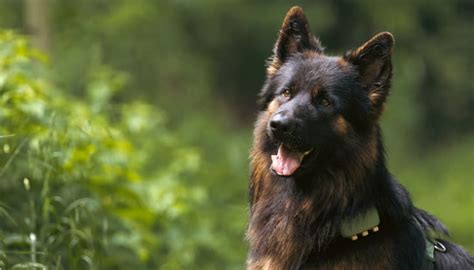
x=285 y=162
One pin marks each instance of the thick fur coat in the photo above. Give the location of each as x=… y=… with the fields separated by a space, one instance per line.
x=318 y=161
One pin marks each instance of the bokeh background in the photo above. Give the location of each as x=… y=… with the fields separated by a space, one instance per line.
x=126 y=125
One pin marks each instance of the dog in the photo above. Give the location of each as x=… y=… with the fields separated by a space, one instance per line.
x=321 y=196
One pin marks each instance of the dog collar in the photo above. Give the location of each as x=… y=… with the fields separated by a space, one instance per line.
x=361 y=225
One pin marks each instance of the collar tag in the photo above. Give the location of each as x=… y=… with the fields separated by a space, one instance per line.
x=361 y=224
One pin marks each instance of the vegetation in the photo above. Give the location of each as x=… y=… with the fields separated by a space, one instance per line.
x=124 y=141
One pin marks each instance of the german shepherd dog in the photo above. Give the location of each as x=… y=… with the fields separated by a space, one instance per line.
x=318 y=166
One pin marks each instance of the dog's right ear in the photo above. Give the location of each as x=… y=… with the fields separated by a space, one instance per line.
x=295 y=36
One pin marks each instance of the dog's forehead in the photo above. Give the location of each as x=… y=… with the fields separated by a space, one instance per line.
x=324 y=71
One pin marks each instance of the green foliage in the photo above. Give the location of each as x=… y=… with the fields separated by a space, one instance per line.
x=441 y=183
x=102 y=185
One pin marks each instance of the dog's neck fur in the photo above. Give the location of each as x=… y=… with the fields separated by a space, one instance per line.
x=292 y=218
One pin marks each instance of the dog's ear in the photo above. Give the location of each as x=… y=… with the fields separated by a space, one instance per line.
x=373 y=62
x=294 y=36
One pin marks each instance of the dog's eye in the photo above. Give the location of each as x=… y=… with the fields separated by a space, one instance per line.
x=324 y=102
x=286 y=93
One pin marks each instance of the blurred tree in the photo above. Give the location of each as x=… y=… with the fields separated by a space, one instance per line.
x=37 y=23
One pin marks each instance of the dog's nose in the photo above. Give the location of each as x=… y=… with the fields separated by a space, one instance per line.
x=281 y=124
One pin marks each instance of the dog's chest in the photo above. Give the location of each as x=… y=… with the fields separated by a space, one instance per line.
x=376 y=262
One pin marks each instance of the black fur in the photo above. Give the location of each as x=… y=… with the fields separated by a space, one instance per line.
x=333 y=106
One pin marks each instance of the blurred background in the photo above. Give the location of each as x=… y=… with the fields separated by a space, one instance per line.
x=126 y=125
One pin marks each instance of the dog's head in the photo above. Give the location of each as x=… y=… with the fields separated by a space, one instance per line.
x=315 y=102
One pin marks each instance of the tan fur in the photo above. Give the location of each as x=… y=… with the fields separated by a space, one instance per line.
x=273 y=107
x=273 y=68
x=376 y=38
x=369 y=156
x=311 y=54
x=260 y=163
x=261 y=264
x=342 y=62
x=341 y=125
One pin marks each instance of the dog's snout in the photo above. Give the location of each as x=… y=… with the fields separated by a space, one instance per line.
x=281 y=124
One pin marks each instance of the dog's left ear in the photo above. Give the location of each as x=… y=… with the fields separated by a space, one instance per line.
x=294 y=36
x=373 y=62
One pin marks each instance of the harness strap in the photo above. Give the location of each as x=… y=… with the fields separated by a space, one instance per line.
x=431 y=247
x=369 y=221
x=361 y=225
x=430 y=250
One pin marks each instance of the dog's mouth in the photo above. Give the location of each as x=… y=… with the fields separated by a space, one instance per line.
x=287 y=160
